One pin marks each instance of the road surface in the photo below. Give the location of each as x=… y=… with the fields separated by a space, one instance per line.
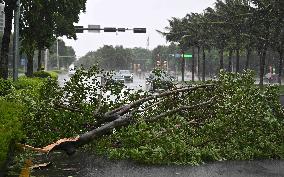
x=84 y=164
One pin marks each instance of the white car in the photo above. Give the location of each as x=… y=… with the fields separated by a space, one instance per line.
x=71 y=71
x=127 y=75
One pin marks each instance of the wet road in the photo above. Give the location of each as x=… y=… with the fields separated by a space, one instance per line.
x=82 y=164
x=138 y=83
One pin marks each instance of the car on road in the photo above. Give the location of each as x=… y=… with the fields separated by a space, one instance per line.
x=71 y=70
x=117 y=77
x=127 y=75
x=158 y=81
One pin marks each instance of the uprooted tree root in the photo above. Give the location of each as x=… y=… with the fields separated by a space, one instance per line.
x=119 y=117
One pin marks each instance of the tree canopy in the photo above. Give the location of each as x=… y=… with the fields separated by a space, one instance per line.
x=233 y=25
x=40 y=24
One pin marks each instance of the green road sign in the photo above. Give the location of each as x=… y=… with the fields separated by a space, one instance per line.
x=187 y=56
x=177 y=55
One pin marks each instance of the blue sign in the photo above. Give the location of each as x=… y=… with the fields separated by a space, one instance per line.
x=177 y=55
x=23 y=61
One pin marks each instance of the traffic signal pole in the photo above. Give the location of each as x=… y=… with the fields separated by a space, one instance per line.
x=182 y=66
x=80 y=29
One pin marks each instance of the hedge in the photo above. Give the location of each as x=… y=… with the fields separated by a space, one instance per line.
x=10 y=127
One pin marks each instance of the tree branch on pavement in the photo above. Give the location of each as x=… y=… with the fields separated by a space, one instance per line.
x=119 y=117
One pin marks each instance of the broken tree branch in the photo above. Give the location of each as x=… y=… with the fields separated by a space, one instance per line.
x=65 y=107
x=167 y=113
x=126 y=108
x=119 y=117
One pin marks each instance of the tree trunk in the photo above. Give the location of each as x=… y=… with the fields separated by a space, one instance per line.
x=4 y=62
x=203 y=64
x=261 y=67
x=230 y=61
x=280 y=66
x=30 y=65
x=238 y=60
x=248 y=57
x=221 y=53
x=39 y=60
x=198 y=63
x=193 y=63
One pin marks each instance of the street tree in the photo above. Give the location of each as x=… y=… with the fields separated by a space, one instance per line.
x=49 y=20
x=262 y=18
x=277 y=32
x=10 y=6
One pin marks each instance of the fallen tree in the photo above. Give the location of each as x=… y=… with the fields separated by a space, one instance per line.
x=228 y=118
x=118 y=117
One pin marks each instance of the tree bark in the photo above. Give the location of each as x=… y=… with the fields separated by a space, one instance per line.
x=237 y=60
x=230 y=61
x=193 y=63
x=280 y=66
x=30 y=65
x=221 y=53
x=198 y=63
x=4 y=62
x=203 y=64
x=39 y=60
x=248 y=58
x=261 y=67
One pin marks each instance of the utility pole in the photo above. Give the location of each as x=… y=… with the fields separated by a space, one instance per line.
x=182 y=66
x=57 y=56
x=16 y=41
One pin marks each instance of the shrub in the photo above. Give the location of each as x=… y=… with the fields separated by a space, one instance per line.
x=41 y=74
x=10 y=126
x=44 y=74
x=27 y=83
x=5 y=87
x=54 y=75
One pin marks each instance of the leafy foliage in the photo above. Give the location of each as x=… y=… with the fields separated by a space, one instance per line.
x=44 y=74
x=243 y=123
x=251 y=25
x=11 y=126
x=52 y=111
x=108 y=57
x=5 y=87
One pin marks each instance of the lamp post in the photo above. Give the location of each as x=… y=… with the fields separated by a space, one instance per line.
x=16 y=47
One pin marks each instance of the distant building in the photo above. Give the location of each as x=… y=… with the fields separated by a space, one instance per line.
x=2 y=18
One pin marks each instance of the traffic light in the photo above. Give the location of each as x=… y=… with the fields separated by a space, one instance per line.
x=109 y=29
x=139 y=30
x=121 y=29
x=79 y=29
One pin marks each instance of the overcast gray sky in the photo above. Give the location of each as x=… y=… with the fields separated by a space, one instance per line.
x=150 y=14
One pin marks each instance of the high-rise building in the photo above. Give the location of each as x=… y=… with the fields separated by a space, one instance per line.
x=2 y=18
